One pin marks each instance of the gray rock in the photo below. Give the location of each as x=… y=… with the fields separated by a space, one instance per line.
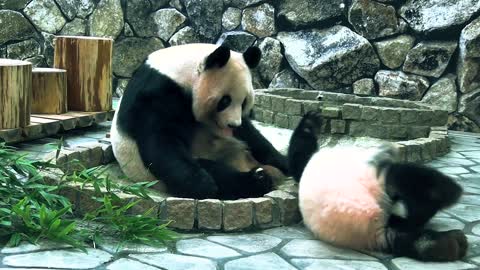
x=48 y=49
x=237 y=40
x=77 y=27
x=138 y=14
x=469 y=213
x=288 y=79
x=249 y=243
x=242 y=3
x=231 y=18
x=176 y=262
x=263 y=210
x=205 y=16
x=459 y=122
x=176 y=4
x=393 y=51
x=320 y=250
x=372 y=19
x=45 y=15
x=123 y=264
x=68 y=7
x=168 y=20
x=306 y=12
x=331 y=58
x=127 y=30
x=259 y=262
x=272 y=58
x=13 y=4
x=156 y=4
x=126 y=60
x=290 y=233
x=364 y=87
x=476 y=229
x=209 y=214
x=24 y=49
x=259 y=20
x=411 y=264
x=107 y=19
x=3 y=52
x=121 y=87
x=85 y=8
x=337 y=264
x=116 y=246
x=204 y=248
x=431 y=15
x=56 y=259
x=429 y=58
x=184 y=36
x=396 y=84
x=468 y=68
x=469 y=105
x=14 y=26
x=443 y=94
x=182 y=212
x=288 y=205
x=37 y=61
x=237 y=215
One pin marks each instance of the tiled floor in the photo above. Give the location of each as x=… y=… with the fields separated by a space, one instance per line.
x=279 y=248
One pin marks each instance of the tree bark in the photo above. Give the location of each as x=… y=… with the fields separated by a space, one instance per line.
x=49 y=90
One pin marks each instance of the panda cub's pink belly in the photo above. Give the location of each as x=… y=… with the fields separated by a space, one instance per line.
x=339 y=197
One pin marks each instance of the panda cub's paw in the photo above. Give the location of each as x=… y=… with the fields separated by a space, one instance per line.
x=262 y=183
x=311 y=123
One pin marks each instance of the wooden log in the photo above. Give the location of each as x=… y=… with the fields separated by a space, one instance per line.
x=15 y=91
x=88 y=61
x=49 y=90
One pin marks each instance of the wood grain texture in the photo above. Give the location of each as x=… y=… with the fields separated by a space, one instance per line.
x=15 y=93
x=49 y=90
x=88 y=61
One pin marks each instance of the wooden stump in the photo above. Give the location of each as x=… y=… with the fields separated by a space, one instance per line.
x=88 y=61
x=49 y=90
x=15 y=91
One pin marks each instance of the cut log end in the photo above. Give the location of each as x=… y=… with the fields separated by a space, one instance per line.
x=49 y=90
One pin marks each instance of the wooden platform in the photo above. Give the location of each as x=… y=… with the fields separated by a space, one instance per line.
x=43 y=125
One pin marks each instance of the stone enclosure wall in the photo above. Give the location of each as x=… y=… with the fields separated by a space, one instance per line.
x=425 y=50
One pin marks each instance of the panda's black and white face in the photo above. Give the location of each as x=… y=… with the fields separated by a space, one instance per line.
x=223 y=93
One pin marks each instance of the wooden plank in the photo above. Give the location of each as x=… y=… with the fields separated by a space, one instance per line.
x=49 y=126
x=11 y=135
x=33 y=131
x=83 y=119
x=68 y=122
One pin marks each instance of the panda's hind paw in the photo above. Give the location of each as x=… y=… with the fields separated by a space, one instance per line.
x=443 y=246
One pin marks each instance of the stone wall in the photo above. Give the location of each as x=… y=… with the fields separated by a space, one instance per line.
x=425 y=50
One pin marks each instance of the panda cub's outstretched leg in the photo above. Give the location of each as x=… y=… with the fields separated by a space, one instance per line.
x=304 y=143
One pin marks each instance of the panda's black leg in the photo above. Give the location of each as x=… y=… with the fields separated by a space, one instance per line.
x=262 y=150
x=304 y=143
x=233 y=184
x=428 y=245
x=169 y=160
x=423 y=190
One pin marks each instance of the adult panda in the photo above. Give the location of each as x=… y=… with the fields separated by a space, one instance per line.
x=183 y=120
x=366 y=199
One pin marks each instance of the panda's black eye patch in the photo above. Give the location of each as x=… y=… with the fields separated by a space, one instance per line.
x=224 y=102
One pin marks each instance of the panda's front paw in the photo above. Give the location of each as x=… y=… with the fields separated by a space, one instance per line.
x=311 y=123
x=262 y=183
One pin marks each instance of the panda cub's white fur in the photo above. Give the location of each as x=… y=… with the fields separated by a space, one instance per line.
x=342 y=198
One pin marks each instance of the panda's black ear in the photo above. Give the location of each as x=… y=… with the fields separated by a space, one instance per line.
x=217 y=58
x=252 y=56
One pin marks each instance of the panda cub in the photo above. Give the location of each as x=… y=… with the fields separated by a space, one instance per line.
x=366 y=199
x=183 y=120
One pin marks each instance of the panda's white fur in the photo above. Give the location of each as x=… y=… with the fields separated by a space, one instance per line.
x=342 y=198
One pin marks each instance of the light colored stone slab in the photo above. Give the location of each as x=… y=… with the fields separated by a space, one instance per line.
x=445 y=224
x=453 y=170
x=204 y=248
x=250 y=243
x=320 y=250
x=259 y=262
x=60 y=259
x=310 y=264
x=410 y=264
x=473 y=245
x=176 y=262
x=476 y=229
x=25 y=247
x=128 y=264
x=289 y=233
x=113 y=246
x=470 y=199
x=466 y=212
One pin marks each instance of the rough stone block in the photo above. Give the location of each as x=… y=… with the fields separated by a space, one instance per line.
x=96 y=155
x=364 y=87
x=293 y=107
x=293 y=121
x=370 y=113
x=268 y=117
x=352 y=111
x=278 y=104
x=237 y=215
x=288 y=205
x=357 y=129
x=418 y=132
x=377 y=131
x=337 y=126
x=389 y=116
x=424 y=118
x=107 y=153
x=398 y=132
x=309 y=105
x=331 y=112
x=182 y=212
x=439 y=118
x=209 y=214
x=258 y=114
x=281 y=120
x=263 y=210
x=409 y=116
x=267 y=102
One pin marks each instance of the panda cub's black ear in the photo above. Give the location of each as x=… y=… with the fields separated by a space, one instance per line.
x=217 y=58
x=252 y=56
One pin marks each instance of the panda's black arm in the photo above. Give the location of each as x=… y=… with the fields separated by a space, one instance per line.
x=262 y=150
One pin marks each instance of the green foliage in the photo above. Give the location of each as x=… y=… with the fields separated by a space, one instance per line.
x=31 y=209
